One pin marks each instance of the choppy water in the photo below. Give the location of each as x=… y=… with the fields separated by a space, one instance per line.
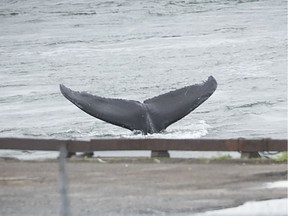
x=137 y=50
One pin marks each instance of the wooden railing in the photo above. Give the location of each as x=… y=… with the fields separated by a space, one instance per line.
x=148 y=144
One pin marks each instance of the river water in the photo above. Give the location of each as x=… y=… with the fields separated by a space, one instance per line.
x=137 y=50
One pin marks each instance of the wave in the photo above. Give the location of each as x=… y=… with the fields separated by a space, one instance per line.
x=12 y=85
x=250 y=105
x=65 y=13
x=196 y=130
x=9 y=14
x=67 y=42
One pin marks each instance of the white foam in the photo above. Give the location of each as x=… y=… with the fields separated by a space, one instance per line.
x=256 y=208
x=278 y=184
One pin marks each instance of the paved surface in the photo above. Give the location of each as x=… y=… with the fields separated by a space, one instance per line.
x=132 y=187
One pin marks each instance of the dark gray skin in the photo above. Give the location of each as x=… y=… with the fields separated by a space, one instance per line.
x=153 y=115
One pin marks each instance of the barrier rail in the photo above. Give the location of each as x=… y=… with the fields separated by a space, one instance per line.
x=148 y=144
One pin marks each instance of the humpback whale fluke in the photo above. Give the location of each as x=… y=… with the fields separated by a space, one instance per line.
x=153 y=115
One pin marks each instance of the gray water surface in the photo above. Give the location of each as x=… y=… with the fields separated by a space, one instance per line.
x=137 y=50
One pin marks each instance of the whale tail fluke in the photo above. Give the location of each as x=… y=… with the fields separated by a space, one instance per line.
x=151 y=116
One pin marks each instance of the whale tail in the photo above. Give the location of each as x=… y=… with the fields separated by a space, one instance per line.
x=151 y=116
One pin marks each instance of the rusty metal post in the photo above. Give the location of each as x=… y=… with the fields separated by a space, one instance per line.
x=160 y=154
x=69 y=153
x=249 y=155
